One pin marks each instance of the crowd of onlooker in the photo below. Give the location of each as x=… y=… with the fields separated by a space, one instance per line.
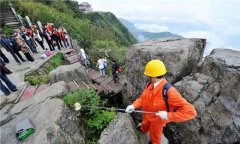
x=26 y=41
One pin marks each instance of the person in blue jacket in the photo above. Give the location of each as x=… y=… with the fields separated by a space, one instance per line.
x=4 y=78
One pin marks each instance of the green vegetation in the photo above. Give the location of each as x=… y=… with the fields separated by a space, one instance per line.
x=35 y=79
x=7 y=30
x=85 y=97
x=96 y=120
x=86 y=28
x=110 y=50
x=55 y=61
x=99 y=121
x=90 y=29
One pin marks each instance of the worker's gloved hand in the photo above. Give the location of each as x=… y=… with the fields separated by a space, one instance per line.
x=129 y=109
x=162 y=114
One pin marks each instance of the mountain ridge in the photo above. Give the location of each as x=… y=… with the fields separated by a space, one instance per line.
x=142 y=35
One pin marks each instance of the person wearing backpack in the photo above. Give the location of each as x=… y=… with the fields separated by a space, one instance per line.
x=114 y=71
x=163 y=99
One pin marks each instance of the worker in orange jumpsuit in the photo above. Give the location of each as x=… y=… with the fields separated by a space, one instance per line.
x=152 y=100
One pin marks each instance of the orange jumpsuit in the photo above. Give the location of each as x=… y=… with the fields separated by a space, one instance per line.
x=152 y=100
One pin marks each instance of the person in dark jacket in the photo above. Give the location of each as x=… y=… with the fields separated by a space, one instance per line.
x=25 y=50
x=4 y=78
x=114 y=71
x=55 y=38
x=25 y=35
x=2 y=55
x=8 y=45
x=48 y=38
x=16 y=48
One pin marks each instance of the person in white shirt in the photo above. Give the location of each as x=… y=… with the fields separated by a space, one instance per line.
x=82 y=56
x=100 y=65
x=38 y=38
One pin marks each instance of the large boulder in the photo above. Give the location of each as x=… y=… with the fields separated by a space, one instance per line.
x=68 y=73
x=224 y=66
x=218 y=119
x=119 y=131
x=122 y=130
x=181 y=57
x=54 y=122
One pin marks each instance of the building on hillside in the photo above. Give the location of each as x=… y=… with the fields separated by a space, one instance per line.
x=85 y=7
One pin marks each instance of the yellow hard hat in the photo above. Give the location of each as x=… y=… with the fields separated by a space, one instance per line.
x=155 y=68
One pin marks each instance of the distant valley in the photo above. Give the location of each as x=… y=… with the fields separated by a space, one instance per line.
x=142 y=35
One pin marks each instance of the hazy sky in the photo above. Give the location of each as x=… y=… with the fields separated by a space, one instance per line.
x=216 y=20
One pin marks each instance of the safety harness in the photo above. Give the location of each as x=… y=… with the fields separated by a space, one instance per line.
x=165 y=96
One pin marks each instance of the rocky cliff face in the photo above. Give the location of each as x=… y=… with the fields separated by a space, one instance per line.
x=68 y=73
x=212 y=86
x=215 y=92
x=53 y=121
x=181 y=57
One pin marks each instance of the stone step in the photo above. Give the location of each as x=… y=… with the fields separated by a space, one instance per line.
x=72 y=85
x=103 y=85
x=8 y=15
x=99 y=89
x=41 y=88
x=9 y=18
x=67 y=51
x=116 y=87
x=100 y=79
x=12 y=23
x=28 y=92
x=94 y=75
x=15 y=26
x=106 y=81
x=83 y=85
x=6 y=11
x=72 y=59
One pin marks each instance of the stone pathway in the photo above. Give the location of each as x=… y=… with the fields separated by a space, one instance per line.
x=102 y=85
x=17 y=77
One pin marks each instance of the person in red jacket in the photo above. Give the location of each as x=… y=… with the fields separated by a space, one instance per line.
x=152 y=100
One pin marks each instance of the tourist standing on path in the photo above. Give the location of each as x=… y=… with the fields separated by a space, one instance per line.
x=37 y=37
x=175 y=109
x=16 y=48
x=4 y=78
x=114 y=71
x=100 y=65
x=2 y=55
x=48 y=38
x=55 y=38
x=25 y=50
x=82 y=56
x=28 y=40
x=7 y=44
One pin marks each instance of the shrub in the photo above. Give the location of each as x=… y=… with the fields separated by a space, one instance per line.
x=37 y=79
x=33 y=78
x=109 y=49
x=8 y=31
x=99 y=121
x=55 y=61
x=86 y=97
